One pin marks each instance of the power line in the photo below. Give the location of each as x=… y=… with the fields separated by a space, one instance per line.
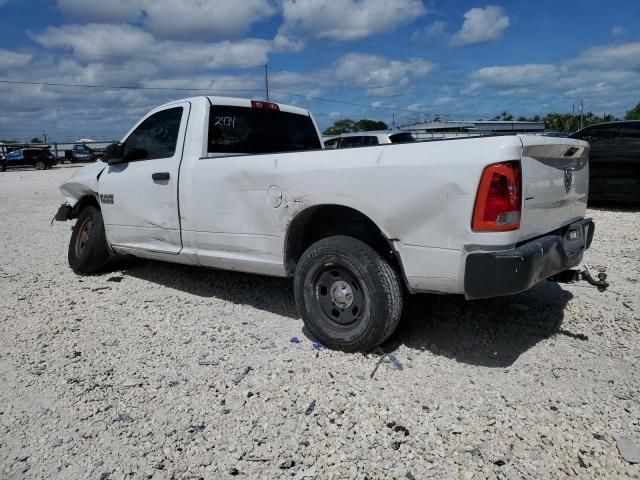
x=209 y=90
x=192 y=62
x=321 y=99
x=126 y=87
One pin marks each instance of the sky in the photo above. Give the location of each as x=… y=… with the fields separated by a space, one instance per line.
x=411 y=60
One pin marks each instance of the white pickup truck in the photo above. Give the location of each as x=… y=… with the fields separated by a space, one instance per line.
x=246 y=185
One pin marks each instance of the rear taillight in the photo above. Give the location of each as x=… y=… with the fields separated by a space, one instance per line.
x=499 y=199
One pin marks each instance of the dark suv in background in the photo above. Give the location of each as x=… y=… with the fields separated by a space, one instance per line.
x=614 y=161
x=83 y=153
x=39 y=158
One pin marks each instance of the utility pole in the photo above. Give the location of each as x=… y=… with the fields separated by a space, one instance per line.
x=394 y=121
x=266 y=79
x=45 y=137
x=581 y=112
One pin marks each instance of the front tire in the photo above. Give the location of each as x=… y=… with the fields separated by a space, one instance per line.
x=88 y=251
x=349 y=297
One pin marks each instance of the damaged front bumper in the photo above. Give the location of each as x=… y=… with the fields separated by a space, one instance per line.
x=493 y=274
x=65 y=212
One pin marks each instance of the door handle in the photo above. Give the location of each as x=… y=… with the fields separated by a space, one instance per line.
x=160 y=176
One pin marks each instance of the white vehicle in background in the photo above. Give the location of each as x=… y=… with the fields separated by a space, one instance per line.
x=246 y=185
x=364 y=139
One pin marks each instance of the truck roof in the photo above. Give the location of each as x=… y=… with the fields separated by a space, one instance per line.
x=240 y=102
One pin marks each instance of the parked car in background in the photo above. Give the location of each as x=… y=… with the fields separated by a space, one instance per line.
x=614 y=161
x=39 y=158
x=83 y=153
x=363 y=139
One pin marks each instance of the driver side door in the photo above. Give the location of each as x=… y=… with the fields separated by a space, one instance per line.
x=139 y=197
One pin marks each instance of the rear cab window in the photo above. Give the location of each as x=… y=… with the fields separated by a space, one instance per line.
x=245 y=130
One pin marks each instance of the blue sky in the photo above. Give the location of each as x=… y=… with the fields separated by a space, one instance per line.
x=340 y=58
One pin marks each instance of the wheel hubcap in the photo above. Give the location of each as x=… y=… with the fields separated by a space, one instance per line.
x=83 y=236
x=339 y=294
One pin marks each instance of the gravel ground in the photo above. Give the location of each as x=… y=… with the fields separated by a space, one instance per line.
x=165 y=371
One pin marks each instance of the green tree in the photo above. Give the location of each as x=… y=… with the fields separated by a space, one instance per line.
x=347 y=125
x=340 y=126
x=366 y=125
x=634 y=113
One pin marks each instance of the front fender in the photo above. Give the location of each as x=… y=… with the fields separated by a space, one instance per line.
x=82 y=183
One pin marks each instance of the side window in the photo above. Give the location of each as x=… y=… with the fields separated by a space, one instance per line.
x=155 y=137
x=598 y=135
x=628 y=142
x=370 y=141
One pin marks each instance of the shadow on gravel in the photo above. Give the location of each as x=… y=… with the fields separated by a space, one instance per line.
x=615 y=207
x=489 y=333
x=271 y=294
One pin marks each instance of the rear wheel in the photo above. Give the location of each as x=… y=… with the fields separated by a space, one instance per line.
x=349 y=297
x=3 y=166
x=40 y=165
x=88 y=252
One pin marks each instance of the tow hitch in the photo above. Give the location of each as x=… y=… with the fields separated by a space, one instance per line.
x=573 y=276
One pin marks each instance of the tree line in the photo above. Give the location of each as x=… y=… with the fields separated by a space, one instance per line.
x=554 y=121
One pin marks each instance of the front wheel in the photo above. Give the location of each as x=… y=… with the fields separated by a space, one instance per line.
x=349 y=296
x=88 y=251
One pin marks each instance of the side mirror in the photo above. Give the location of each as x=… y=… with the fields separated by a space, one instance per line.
x=114 y=154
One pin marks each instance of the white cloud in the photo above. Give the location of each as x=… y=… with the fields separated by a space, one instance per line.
x=625 y=56
x=175 y=19
x=4 y=2
x=9 y=59
x=345 y=20
x=443 y=101
x=380 y=75
x=516 y=75
x=112 y=43
x=435 y=30
x=481 y=25
x=102 y=11
x=284 y=43
x=618 y=31
x=606 y=77
x=182 y=19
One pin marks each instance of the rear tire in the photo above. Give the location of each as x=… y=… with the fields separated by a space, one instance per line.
x=349 y=297
x=40 y=165
x=88 y=251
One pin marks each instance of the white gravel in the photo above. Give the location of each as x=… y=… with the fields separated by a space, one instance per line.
x=165 y=371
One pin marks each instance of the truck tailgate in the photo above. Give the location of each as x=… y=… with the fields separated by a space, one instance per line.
x=555 y=183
